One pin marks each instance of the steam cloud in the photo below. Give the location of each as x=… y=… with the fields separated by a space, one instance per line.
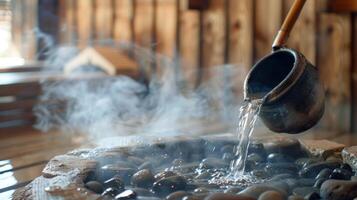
x=123 y=106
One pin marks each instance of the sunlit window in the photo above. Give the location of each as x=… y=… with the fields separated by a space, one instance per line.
x=9 y=55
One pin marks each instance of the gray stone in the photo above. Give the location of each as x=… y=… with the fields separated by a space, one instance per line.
x=255 y=191
x=312 y=170
x=349 y=155
x=271 y=194
x=126 y=195
x=303 y=191
x=224 y=196
x=143 y=178
x=94 y=186
x=178 y=195
x=338 y=189
x=165 y=186
x=213 y=163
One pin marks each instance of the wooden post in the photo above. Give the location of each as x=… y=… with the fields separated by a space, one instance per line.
x=124 y=14
x=103 y=19
x=85 y=22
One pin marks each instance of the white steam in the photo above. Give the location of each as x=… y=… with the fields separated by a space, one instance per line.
x=122 y=106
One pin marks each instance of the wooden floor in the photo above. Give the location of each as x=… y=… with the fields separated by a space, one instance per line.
x=25 y=153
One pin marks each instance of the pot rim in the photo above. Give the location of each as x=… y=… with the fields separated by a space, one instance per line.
x=287 y=83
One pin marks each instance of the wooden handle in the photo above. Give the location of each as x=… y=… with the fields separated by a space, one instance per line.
x=288 y=24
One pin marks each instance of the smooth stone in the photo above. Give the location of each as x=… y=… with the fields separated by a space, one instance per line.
x=224 y=196
x=94 y=186
x=341 y=174
x=319 y=182
x=278 y=158
x=147 y=198
x=115 y=182
x=110 y=192
x=271 y=195
x=111 y=170
x=178 y=195
x=306 y=182
x=281 y=168
x=338 y=189
x=294 y=197
x=195 y=197
x=165 y=186
x=201 y=190
x=249 y=165
x=259 y=174
x=164 y=174
x=312 y=196
x=213 y=163
x=255 y=158
x=255 y=191
x=325 y=173
x=143 y=178
x=353 y=178
x=303 y=162
x=312 y=170
x=136 y=160
x=279 y=177
x=143 y=192
x=303 y=191
x=126 y=195
x=283 y=145
x=233 y=190
x=346 y=167
x=187 y=168
x=258 y=148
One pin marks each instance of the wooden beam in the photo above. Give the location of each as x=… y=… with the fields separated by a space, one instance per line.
x=334 y=63
x=341 y=6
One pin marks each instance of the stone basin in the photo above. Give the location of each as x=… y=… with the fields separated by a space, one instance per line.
x=281 y=166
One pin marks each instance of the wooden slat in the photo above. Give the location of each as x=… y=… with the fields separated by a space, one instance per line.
x=29 y=40
x=354 y=76
x=334 y=63
x=85 y=23
x=268 y=18
x=166 y=16
x=68 y=29
x=303 y=36
x=17 y=23
x=189 y=51
x=103 y=19
x=144 y=23
x=18 y=104
x=214 y=35
x=123 y=20
x=241 y=34
x=26 y=116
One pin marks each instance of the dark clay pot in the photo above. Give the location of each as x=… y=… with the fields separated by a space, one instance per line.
x=293 y=97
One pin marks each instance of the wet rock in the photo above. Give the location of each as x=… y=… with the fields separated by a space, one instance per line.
x=312 y=170
x=201 y=190
x=325 y=173
x=260 y=174
x=94 y=186
x=346 y=167
x=338 y=189
x=303 y=162
x=233 y=190
x=306 y=182
x=256 y=158
x=255 y=191
x=115 y=182
x=269 y=195
x=148 y=198
x=136 y=161
x=341 y=174
x=303 y=191
x=283 y=145
x=143 y=178
x=195 y=197
x=321 y=148
x=281 y=168
x=258 y=148
x=187 y=168
x=204 y=175
x=142 y=192
x=312 y=196
x=213 y=163
x=164 y=174
x=165 y=186
x=353 y=178
x=294 y=197
x=111 y=192
x=280 y=177
x=126 y=195
x=319 y=182
x=278 y=158
x=111 y=170
x=224 y=196
x=177 y=195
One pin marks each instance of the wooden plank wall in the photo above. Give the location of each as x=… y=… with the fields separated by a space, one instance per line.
x=239 y=32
